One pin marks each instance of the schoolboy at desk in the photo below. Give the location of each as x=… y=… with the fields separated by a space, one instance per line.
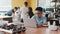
x=38 y=17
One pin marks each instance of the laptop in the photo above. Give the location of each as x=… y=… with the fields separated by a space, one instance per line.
x=30 y=23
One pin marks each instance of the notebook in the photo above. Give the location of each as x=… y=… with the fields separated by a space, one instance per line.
x=30 y=23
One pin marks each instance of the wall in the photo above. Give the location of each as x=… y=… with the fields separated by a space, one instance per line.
x=17 y=3
x=32 y=3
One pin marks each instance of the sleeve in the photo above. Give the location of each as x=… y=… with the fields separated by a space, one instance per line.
x=20 y=11
x=44 y=20
x=9 y=13
x=33 y=17
x=27 y=10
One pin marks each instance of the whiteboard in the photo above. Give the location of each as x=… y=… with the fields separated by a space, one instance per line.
x=5 y=5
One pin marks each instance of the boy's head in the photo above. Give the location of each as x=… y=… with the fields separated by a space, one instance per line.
x=26 y=4
x=39 y=11
x=15 y=8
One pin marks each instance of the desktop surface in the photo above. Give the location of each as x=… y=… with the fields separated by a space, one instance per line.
x=42 y=30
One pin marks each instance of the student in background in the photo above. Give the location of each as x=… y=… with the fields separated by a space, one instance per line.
x=30 y=13
x=38 y=17
x=10 y=13
x=15 y=9
x=24 y=11
x=17 y=14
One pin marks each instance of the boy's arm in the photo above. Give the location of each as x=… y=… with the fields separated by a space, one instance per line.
x=44 y=21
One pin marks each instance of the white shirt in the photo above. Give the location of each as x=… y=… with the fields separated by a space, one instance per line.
x=17 y=12
x=24 y=11
x=16 y=15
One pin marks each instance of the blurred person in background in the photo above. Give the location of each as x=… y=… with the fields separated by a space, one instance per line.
x=18 y=10
x=13 y=13
x=24 y=11
x=30 y=13
x=15 y=9
x=18 y=14
x=10 y=13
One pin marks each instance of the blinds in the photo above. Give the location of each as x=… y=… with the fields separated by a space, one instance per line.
x=5 y=5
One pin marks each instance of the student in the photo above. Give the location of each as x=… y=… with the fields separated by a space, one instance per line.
x=17 y=14
x=24 y=11
x=9 y=13
x=30 y=13
x=15 y=9
x=38 y=17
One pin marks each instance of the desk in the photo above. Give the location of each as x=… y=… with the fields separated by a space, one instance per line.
x=41 y=30
x=8 y=18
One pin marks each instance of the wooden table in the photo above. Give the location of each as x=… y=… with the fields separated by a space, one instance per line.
x=41 y=30
x=8 y=18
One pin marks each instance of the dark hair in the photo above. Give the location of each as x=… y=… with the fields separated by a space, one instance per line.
x=30 y=9
x=16 y=8
x=39 y=9
x=30 y=12
x=13 y=11
x=26 y=3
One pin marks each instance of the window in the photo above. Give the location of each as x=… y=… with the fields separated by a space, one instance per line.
x=5 y=5
x=44 y=3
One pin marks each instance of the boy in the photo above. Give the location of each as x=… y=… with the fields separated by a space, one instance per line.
x=38 y=17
